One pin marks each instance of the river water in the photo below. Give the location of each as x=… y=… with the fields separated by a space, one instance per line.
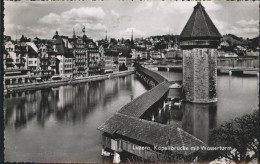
x=60 y=124
x=237 y=95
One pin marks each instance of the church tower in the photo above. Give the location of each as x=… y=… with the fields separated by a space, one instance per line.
x=199 y=41
x=74 y=34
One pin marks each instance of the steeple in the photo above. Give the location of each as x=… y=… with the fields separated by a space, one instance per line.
x=199 y=26
x=56 y=35
x=132 y=36
x=106 y=36
x=74 y=34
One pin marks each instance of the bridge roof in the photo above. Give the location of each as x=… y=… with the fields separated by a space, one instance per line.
x=139 y=105
x=151 y=133
x=157 y=77
x=199 y=26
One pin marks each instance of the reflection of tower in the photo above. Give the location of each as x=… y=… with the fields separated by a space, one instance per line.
x=199 y=41
x=199 y=118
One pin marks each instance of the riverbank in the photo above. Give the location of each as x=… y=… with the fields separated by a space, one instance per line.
x=57 y=83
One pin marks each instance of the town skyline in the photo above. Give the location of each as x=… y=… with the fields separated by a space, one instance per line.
x=119 y=19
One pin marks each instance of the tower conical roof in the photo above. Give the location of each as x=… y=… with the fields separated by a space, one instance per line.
x=199 y=26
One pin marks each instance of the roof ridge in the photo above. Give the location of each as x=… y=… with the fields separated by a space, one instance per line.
x=143 y=120
x=180 y=135
x=147 y=92
x=194 y=23
x=183 y=131
x=203 y=14
x=199 y=26
x=147 y=121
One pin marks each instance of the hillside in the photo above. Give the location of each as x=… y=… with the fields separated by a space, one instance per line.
x=234 y=40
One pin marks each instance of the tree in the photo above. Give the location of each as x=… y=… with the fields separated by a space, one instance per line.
x=241 y=135
x=113 y=41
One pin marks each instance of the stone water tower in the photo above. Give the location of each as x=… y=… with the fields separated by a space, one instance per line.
x=199 y=41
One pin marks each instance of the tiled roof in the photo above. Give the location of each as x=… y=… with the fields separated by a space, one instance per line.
x=157 y=77
x=199 y=26
x=127 y=123
x=138 y=106
x=149 y=132
x=68 y=53
x=31 y=51
x=60 y=46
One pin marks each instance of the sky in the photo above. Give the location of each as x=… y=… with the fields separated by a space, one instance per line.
x=120 y=17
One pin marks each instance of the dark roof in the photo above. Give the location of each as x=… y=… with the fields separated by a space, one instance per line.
x=199 y=26
x=32 y=52
x=20 y=48
x=149 y=132
x=60 y=46
x=157 y=77
x=139 y=106
x=68 y=53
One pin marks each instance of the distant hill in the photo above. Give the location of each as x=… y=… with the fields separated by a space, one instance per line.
x=234 y=40
x=253 y=43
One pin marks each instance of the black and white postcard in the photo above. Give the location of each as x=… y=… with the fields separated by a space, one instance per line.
x=130 y=81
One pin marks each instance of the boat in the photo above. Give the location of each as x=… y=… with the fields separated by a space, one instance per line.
x=250 y=73
x=56 y=77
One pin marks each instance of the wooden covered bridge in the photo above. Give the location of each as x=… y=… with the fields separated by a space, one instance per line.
x=127 y=131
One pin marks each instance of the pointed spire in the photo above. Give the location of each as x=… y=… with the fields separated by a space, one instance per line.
x=199 y=26
x=106 y=36
x=74 y=34
x=56 y=35
x=132 y=36
x=199 y=31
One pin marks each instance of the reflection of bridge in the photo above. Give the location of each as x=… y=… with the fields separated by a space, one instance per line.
x=128 y=131
x=221 y=69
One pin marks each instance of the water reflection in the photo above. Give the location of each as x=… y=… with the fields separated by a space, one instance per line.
x=52 y=124
x=199 y=118
x=66 y=103
x=237 y=96
x=233 y=62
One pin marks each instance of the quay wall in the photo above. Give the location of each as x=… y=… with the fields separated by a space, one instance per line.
x=56 y=83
